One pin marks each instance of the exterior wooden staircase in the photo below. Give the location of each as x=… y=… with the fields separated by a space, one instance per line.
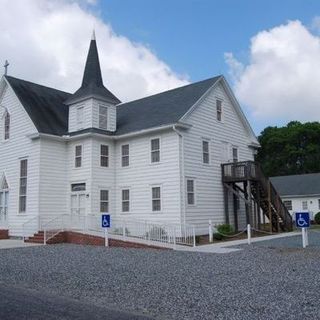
x=246 y=180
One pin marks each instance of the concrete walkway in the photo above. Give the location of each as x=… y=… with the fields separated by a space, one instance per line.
x=224 y=247
x=16 y=243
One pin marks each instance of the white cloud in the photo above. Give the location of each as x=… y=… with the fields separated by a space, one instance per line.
x=47 y=42
x=281 y=82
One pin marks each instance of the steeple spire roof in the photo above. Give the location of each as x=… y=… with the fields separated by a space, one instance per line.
x=92 y=83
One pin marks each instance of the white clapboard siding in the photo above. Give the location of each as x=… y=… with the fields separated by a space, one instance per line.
x=11 y=152
x=103 y=178
x=112 y=114
x=82 y=174
x=91 y=115
x=141 y=175
x=53 y=177
x=87 y=116
x=231 y=131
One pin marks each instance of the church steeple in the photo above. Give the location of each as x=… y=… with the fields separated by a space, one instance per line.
x=92 y=83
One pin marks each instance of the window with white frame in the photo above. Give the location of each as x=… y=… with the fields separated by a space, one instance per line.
x=155 y=150
x=104 y=155
x=103 y=117
x=104 y=200
x=318 y=203
x=205 y=151
x=125 y=155
x=78 y=156
x=288 y=204
x=6 y=126
x=190 y=192
x=23 y=185
x=219 y=110
x=235 y=154
x=80 y=116
x=156 y=199
x=125 y=200
x=304 y=205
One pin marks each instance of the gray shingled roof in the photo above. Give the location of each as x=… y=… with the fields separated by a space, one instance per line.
x=44 y=105
x=160 y=109
x=48 y=112
x=297 y=185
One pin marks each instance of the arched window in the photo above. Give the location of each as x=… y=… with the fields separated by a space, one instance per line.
x=6 y=126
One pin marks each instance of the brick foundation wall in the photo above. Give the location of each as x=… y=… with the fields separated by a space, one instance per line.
x=4 y=234
x=85 y=239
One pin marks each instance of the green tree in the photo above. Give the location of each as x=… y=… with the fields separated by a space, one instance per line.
x=292 y=149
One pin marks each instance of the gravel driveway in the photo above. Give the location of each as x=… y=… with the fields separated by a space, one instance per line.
x=255 y=283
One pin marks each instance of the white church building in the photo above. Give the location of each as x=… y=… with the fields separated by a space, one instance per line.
x=153 y=159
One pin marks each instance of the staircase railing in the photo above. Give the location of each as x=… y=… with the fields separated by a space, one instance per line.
x=251 y=170
x=30 y=227
x=124 y=229
x=54 y=227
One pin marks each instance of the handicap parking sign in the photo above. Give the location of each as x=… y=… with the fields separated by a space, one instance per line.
x=302 y=220
x=105 y=221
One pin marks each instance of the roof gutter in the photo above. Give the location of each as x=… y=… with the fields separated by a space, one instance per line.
x=179 y=125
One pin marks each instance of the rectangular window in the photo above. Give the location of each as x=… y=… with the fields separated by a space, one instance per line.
x=103 y=117
x=125 y=200
x=78 y=187
x=125 y=155
x=288 y=204
x=155 y=150
x=304 y=205
x=104 y=155
x=78 y=156
x=104 y=201
x=6 y=126
x=23 y=185
x=156 y=199
x=235 y=157
x=318 y=203
x=80 y=117
x=190 y=192
x=205 y=151
x=219 y=110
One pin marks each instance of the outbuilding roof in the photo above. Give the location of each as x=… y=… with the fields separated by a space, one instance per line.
x=297 y=185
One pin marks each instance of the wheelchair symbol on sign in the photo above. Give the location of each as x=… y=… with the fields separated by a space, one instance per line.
x=301 y=222
x=105 y=223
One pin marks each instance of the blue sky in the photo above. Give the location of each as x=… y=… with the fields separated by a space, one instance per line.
x=269 y=51
x=192 y=35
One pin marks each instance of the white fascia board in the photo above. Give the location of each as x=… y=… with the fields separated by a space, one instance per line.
x=94 y=134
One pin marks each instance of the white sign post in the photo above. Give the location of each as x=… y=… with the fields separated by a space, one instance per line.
x=303 y=222
x=105 y=224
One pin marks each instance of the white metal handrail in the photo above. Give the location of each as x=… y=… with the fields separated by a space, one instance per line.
x=30 y=227
x=149 y=232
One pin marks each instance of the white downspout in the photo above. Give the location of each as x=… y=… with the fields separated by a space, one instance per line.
x=182 y=179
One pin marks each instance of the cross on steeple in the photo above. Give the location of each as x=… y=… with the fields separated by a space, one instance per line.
x=6 y=65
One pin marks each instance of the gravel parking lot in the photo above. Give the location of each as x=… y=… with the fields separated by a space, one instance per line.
x=255 y=283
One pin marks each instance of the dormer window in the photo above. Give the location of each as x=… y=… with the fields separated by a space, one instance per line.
x=103 y=117
x=6 y=126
